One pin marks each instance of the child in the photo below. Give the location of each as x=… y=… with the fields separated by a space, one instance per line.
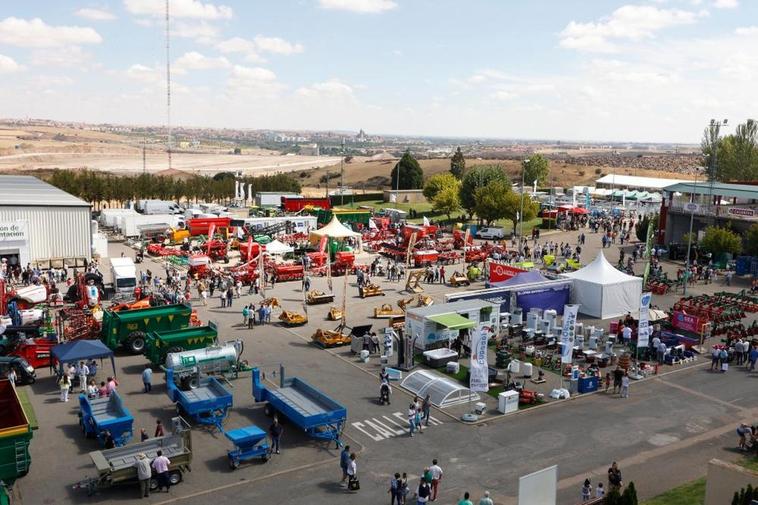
x=600 y=490
x=586 y=490
x=607 y=381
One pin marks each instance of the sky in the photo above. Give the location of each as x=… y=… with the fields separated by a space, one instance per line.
x=592 y=70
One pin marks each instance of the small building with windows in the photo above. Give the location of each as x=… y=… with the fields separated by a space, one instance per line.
x=707 y=204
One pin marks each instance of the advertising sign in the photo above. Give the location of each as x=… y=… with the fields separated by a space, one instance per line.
x=500 y=272
x=13 y=231
x=736 y=211
x=479 y=378
x=643 y=330
x=568 y=334
x=682 y=321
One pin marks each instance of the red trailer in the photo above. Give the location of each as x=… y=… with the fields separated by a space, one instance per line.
x=318 y=259
x=201 y=225
x=285 y=271
x=295 y=204
x=423 y=258
x=245 y=251
x=37 y=352
x=344 y=262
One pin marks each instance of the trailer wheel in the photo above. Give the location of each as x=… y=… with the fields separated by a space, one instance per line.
x=234 y=464
x=136 y=342
x=153 y=484
x=176 y=348
x=175 y=477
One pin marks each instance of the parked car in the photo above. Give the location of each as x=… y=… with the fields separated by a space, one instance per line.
x=24 y=371
x=491 y=233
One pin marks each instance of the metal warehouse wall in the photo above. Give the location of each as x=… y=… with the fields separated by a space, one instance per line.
x=54 y=232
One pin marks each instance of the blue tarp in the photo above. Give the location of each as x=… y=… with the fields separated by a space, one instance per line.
x=81 y=350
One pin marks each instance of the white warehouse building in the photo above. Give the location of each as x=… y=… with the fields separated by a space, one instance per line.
x=42 y=225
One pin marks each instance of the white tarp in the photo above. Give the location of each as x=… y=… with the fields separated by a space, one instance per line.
x=275 y=247
x=603 y=291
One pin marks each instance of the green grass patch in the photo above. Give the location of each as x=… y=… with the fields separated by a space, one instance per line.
x=691 y=493
x=751 y=463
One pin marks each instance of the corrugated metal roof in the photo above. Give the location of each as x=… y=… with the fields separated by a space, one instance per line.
x=451 y=307
x=634 y=181
x=746 y=191
x=28 y=191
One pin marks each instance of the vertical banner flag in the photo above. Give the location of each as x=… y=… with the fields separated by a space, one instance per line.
x=647 y=253
x=479 y=380
x=567 y=335
x=643 y=330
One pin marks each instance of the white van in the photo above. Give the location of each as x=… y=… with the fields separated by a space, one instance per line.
x=491 y=233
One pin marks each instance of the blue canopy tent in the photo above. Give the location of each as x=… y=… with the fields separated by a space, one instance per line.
x=81 y=350
x=523 y=278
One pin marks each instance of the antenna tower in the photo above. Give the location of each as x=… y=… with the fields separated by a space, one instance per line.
x=168 y=85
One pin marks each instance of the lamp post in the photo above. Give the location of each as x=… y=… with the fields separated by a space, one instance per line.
x=521 y=214
x=689 y=239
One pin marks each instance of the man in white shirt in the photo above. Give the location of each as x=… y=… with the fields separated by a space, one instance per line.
x=436 y=478
x=160 y=465
x=83 y=371
x=627 y=334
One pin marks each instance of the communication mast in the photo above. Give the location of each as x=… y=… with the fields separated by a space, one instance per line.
x=168 y=85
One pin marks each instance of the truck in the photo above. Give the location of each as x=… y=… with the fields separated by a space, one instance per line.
x=129 y=328
x=15 y=435
x=124 y=275
x=106 y=414
x=306 y=407
x=117 y=466
x=212 y=360
x=151 y=207
x=160 y=343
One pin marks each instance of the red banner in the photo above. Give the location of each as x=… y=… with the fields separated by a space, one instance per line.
x=500 y=272
x=687 y=322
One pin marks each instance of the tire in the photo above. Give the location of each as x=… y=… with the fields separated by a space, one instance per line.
x=268 y=410
x=176 y=348
x=153 y=484
x=136 y=342
x=175 y=477
x=234 y=464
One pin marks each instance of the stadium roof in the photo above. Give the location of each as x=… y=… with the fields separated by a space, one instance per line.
x=744 y=191
x=28 y=191
x=632 y=181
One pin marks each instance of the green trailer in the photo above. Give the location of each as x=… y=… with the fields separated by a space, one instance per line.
x=346 y=216
x=15 y=435
x=130 y=327
x=159 y=343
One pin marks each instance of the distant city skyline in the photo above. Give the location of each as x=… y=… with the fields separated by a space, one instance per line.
x=646 y=71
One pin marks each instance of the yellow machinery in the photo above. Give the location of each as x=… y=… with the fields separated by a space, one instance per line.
x=292 y=318
x=318 y=297
x=413 y=283
x=458 y=279
x=386 y=311
x=331 y=338
x=371 y=290
x=335 y=314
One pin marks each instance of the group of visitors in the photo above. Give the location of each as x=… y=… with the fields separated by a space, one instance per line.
x=84 y=375
x=418 y=414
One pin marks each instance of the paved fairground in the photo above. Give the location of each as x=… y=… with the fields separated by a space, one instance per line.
x=662 y=435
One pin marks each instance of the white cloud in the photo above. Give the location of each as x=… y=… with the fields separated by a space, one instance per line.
x=179 y=9
x=726 y=4
x=241 y=46
x=360 y=6
x=196 y=61
x=144 y=74
x=202 y=32
x=747 y=30
x=629 y=22
x=331 y=89
x=253 y=83
x=503 y=95
x=35 y=33
x=8 y=65
x=276 y=45
x=95 y=14
x=70 y=56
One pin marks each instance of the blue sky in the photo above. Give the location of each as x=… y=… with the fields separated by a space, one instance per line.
x=653 y=70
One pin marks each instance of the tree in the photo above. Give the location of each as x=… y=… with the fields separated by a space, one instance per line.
x=447 y=201
x=733 y=157
x=411 y=174
x=458 y=164
x=492 y=201
x=613 y=498
x=629 y=496
x=479 y=177
x=640 y=229
x=709 y=146
x=513 y=210
x=536 y=168
x=439 y=182
x=751 y=237
x=719 y=240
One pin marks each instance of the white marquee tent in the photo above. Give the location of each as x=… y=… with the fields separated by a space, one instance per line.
x=603 y=291
x=278 y=248
x=335 y=229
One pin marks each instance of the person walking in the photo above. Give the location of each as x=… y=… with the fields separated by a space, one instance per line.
x=143 y=474
x=143 y=435
x=586 y=492
x=423 y=492
x=625 y=385
x=395 y=490
x=245 y=314
x=147 y=379
x=486 y=500
x=159 y=429
x=436 y=472
x=64 y=383
x=352 y=474
x=344 y=462
x=275 y=431
x=83 y=372
x=599 y=490
x=618 y=374
x=466 y=499
x=411 y=418
x=251 y=317
x=607 y=382
x=229 y=297
x=426 y=409
x=614 y=477
x=160 y=465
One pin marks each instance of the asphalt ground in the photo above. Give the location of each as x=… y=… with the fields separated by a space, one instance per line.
x=662 y=435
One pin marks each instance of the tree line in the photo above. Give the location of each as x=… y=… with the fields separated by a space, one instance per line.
x=99 y=187
x=732 y=157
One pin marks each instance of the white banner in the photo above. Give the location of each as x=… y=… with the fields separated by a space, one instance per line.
x=643 y=330
x=479 y=379
x=13 y=231
x=567 y=335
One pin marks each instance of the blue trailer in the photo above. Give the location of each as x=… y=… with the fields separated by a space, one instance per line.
x=207 y=404
x=305 y=406
x=249 y=443
x=107 y=414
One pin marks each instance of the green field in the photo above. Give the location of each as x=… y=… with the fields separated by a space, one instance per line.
x=692 y=493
